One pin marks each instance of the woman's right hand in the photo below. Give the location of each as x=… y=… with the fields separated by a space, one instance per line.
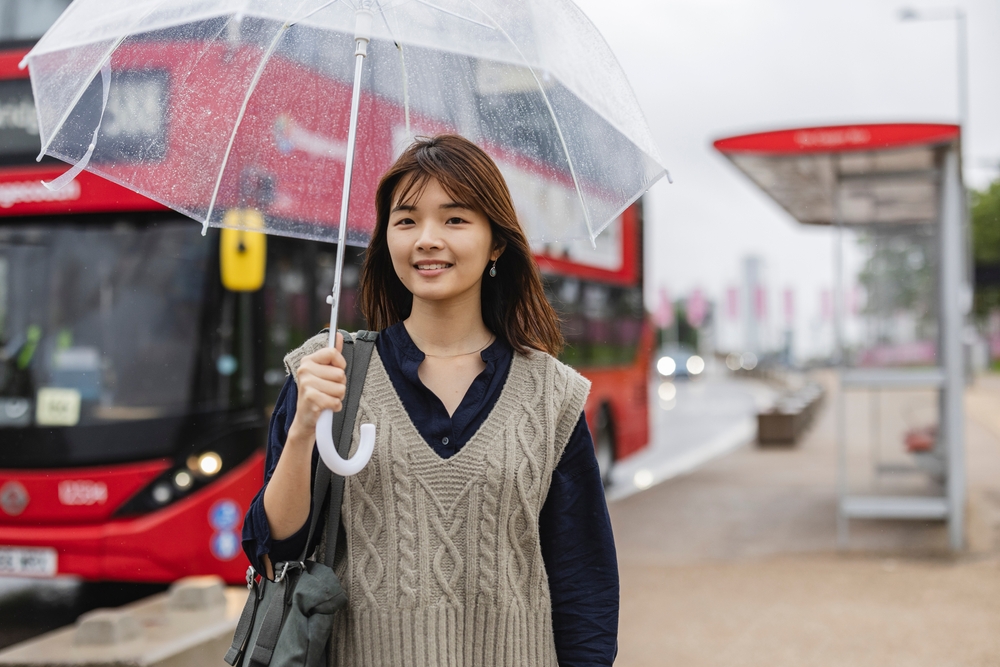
x=322 y=383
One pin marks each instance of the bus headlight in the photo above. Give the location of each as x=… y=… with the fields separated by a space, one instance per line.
x=162 y=493
x=666 y=366
x=695 y=365
x=209 y=464
x=183 y=480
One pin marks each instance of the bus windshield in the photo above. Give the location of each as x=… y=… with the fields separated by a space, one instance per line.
x=101 y=324
x=27 y=20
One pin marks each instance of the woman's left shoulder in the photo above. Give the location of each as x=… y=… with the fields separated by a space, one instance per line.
x=564 y=374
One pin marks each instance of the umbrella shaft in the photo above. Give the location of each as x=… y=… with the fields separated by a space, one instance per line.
x=334 y=300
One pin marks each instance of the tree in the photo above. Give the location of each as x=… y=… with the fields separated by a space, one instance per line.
x=985 y=223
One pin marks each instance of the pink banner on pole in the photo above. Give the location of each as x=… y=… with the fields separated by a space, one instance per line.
x=697 y=308
x=760 y=303
x=664 y=310
x=854 y=300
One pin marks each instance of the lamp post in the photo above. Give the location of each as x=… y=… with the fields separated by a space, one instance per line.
x=953 y=225
x=956 y=14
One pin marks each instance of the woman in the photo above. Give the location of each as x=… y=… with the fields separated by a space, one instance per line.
x=478 y=534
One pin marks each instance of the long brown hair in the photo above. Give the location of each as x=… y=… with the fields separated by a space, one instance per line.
x=514 y=306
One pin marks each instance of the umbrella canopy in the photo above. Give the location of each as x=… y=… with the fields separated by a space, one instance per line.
x=211 y=105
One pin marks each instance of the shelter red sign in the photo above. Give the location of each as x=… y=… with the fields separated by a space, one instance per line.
x=840 y=138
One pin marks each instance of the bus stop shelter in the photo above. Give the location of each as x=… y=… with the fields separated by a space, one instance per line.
x=888 y=184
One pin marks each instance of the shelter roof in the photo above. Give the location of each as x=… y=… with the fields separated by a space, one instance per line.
x=866 y=174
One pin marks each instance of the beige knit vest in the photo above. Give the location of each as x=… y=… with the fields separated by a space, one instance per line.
x=444 y=564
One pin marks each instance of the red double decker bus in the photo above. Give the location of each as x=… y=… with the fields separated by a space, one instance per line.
x=136 y=384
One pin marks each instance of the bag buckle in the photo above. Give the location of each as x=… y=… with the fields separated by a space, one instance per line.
x=279 y=577
x=251 y=575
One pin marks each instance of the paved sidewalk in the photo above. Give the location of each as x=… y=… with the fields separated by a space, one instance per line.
x=737 y=563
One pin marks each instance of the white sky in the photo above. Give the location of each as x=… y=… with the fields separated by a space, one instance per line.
x=705 y=69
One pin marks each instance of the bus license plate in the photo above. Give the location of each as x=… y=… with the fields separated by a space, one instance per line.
x=28 y=562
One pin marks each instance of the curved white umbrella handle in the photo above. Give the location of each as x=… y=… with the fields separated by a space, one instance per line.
x=328 y=450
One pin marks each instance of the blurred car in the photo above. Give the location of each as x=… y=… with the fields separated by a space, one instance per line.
x=674 y=361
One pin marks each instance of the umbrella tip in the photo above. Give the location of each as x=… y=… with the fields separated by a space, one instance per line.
x=204 y=228
x=23 y=63
x=669 y=179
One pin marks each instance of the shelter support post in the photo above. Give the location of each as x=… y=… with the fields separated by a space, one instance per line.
x=843 y=485
x=952 y=307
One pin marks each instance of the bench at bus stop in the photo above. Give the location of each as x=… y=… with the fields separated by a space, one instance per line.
x=791 y=415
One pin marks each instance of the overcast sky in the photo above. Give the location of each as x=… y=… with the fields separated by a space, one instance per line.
x=706 y=69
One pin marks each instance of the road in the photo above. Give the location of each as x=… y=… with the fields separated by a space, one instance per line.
x=700 y=420
x=692 y=421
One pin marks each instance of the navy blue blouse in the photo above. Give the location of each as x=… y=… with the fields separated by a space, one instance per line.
x=574 y=527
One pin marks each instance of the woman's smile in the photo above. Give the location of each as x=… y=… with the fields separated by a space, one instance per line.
x=430 y=269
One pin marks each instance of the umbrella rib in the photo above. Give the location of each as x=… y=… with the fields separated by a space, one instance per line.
x=555 y=120
x=321 y=7
x=239 y=120
x=243 y=108
x=402 y=64
x=106 y=57
x=459 y=16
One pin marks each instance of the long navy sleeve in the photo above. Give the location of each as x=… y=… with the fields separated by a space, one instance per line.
x=257 y=539
x=580 y=559
x=574 y=527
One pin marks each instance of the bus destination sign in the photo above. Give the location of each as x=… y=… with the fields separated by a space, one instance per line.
x=133 y=127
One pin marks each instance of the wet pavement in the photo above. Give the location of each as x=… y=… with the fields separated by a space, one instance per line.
x=693 y=420
x=29 y=608
x=737 y=562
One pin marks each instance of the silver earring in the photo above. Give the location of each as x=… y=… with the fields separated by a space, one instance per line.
x=493 y=271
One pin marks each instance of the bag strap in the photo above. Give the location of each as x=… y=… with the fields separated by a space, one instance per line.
x=357 y=353
x=245 y=624
x=364 y=343
x=270 y=627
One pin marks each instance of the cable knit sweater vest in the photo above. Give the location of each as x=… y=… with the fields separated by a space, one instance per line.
x=444 y=563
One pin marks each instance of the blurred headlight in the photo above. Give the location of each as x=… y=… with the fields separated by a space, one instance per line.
x=209 y=463
x=695 y=365
x=667 y=391
x=666 y=366
x=162 y=493
x=183 y=480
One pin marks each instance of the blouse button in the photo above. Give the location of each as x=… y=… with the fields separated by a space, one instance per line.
x=444 y=441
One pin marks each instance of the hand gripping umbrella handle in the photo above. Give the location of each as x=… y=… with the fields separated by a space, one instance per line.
x=328 y=450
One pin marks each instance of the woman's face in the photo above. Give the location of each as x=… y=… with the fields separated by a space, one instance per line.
x=439 y=247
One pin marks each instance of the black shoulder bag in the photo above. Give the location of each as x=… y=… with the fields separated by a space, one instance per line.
x=288 y=622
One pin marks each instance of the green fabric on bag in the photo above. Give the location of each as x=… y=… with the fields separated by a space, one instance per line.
x=315 y=598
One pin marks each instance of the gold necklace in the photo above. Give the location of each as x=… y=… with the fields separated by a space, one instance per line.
x=462 y=354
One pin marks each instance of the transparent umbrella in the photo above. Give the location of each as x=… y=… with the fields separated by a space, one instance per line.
x=294 y=108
